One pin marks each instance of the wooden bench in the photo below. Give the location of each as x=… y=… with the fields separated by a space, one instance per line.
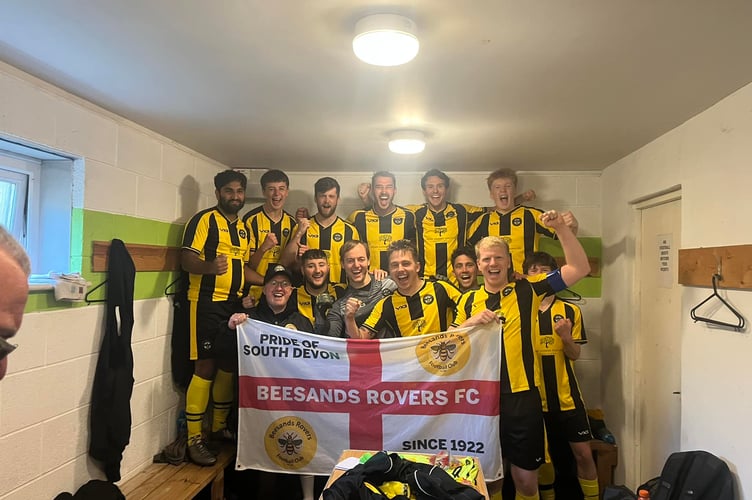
x=179 y=482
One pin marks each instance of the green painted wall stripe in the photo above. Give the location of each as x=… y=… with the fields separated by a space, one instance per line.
x=91 y=225
x=587 y=287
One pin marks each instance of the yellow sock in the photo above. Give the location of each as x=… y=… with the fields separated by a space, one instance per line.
x=520 y=496
x=222 y=396
x=196 y=400
x=496 y=495
x=589 y=488
x=546 y=478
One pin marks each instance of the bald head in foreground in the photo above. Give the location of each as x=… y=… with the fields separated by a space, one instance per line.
x=14 y=271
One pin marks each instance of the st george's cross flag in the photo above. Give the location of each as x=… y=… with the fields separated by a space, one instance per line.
x=305 y=398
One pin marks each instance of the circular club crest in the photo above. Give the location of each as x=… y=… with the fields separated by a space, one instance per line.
x=427 y=299
x=285 y=232
x=337 y=237
x=397 y=221
x=557 y=317
x=507 y=291
x=290 y=442
x=206 y=345
x=241 y=233
x=516 y=221
x=444 y=353
x=450 y=215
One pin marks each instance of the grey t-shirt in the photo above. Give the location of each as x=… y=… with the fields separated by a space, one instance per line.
x=370 y=295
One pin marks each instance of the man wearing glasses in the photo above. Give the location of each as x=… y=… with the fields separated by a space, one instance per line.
x=15 y=270
x=275 y=306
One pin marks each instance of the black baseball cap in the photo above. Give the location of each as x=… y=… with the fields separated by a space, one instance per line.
x=274 y=270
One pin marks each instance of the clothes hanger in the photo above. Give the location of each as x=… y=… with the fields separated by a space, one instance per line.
x=570 y=296
x=167 y=291
x=739 y=326
x=92 y=301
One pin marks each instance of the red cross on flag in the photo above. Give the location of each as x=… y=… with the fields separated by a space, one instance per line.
x=305 y=398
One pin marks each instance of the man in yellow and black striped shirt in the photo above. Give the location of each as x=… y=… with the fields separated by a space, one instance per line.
x=417 y=307
x=269 y=226
x=325 y=231
x=215 y=253
x=514 y=305
x=440 y=226
x=315 y=268
x=517 y=224
x=385 y=222
x=559 y=334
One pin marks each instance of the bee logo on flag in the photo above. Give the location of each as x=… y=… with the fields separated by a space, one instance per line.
x=290 y=442
x=443 y=353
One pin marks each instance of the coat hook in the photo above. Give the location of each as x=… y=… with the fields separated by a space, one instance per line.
x=718 y=267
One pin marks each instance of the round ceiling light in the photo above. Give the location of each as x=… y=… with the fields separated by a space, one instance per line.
x=407 y=142
x=385 y=40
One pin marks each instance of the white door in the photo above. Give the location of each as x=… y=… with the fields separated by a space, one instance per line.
x=659 y=336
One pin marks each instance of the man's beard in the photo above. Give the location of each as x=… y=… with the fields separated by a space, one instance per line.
x=327 y=212
x=230 y=208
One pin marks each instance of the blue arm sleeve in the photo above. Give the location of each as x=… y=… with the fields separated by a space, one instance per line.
x=556 y=281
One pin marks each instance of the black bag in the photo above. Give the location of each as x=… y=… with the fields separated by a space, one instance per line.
x=620 y=492
x=693 y=475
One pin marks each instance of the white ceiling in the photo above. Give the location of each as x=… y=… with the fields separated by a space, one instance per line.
x=528 y=84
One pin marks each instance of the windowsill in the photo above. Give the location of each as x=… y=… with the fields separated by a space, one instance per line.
x=39 y=287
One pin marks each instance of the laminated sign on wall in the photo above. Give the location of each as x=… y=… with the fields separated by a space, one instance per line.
x=305 y=398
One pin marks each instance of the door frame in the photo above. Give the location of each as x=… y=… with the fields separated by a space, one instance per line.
x=662 y=197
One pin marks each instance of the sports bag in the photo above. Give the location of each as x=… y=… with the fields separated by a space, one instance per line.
x=693 y=475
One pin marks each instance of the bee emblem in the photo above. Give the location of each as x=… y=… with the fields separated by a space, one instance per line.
x=444 y=351
x=290 y=443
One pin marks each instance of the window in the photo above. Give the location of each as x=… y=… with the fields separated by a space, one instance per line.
x=13 y=191
x=36 y=201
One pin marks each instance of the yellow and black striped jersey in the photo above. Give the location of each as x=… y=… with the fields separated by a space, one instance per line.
x=378 y=232
x=517 y=303
x=438 y=234
x=559 y=388
x=259 y=225
x=330 y=239
x=210 y=234
x=305 y=302
x=520 y=228
x=429 y=310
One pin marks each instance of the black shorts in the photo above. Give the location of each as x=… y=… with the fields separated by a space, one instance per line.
x=522 y=429
x=210 y=337
x=572 y=425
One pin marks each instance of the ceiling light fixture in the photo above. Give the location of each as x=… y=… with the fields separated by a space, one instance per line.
x=407 y=142
x=385 y=40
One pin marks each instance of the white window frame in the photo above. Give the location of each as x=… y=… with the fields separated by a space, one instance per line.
x=47 y=225
x=26 y=171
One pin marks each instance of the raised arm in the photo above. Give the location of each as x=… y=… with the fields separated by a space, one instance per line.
x=577 y=265
x=563 y=329
x=292 y=250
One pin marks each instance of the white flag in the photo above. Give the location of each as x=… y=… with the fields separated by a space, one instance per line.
x=305 y=398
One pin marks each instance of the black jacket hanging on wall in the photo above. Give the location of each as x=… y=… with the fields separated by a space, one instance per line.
x=113 y=381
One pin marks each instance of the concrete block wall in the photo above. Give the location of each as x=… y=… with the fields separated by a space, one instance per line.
x=44 y=399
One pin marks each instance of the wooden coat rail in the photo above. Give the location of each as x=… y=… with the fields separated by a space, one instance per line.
x=145 y=257
x=734 y=263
